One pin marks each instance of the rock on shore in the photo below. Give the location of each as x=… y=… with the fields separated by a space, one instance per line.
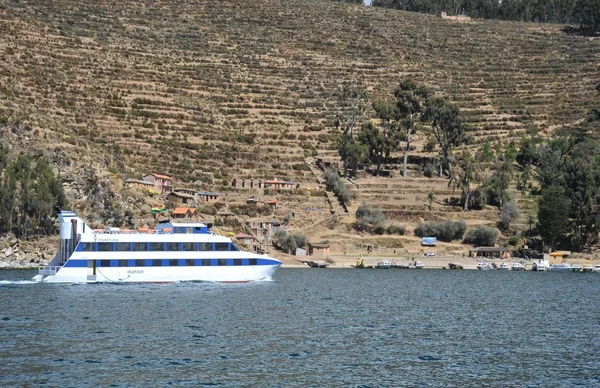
x=13 y=256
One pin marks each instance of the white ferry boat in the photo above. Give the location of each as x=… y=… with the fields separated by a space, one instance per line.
x=173 y=252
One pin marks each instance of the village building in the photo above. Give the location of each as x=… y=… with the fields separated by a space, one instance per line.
x=277 y=184
x=245 y=239
x=321 y=250
x=242 y=183
x=162 y=183
x=182 y=190
x=139 y=184
x=184 y=212
x=490 y=252
x=176 y=198
x=275 y=204
x=207 y=196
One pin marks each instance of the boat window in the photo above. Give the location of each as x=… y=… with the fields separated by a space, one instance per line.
x=221 y=246
x=197 y=229
x=86 y=246
x=140 y=246
x=234 y=247
x=189 y=262
x=206 y=246
x=140 y=263
x=173 y=263
x=104 y=263
x=123 y=263
x=189 y=246
x=237 y=261
x=178 y=230
x=157 y=246
x=173 y=246
x=252 y=262
x=222 y=262
x=123 y=246
x=156 y=262
x=201 y=262
x=105 y=246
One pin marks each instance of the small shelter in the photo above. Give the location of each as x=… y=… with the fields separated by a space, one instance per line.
x=245 y=239
x=490 y=252
x=275 y=204
x=321 y=250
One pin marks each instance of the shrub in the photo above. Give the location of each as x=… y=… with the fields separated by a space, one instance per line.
x=396 y=229
x=481 y=236
x=289 y=242
x=335 y=184
x=369 y=218
x=444 y=231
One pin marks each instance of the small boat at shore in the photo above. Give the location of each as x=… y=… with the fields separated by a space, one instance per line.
x=503 y=266
x=560 y=267
x=575 y=267
x=419 y=265
x=516 y=266
x=597 y=268
x=384 y=264
x=483 y=266
x=455 y=266
x=587 y=268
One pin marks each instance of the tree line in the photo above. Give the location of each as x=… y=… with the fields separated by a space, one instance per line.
x=29 y=195
x=585 y=13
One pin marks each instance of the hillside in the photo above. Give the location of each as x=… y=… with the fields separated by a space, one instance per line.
x=209 y=91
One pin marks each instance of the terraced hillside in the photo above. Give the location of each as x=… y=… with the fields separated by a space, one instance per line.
x=208 y=91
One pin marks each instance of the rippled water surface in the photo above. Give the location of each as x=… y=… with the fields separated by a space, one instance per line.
x=308 y=327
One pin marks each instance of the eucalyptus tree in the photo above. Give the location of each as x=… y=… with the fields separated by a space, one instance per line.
x=410 y=105
x=382 y=140
x=553 y=214
x=468 y=172
x=352 y=114
x=446 y=126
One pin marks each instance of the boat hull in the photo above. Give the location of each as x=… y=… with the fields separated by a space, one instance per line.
x=226 y=274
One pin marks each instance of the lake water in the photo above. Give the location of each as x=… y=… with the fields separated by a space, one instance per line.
x=307 y=327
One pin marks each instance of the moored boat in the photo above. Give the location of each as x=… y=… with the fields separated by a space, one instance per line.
x=173 y=252
x=503 y=266
x=575 y=267
x=516 y=266
x=587 y=268
x=597 y=268
x=560 y=267
x=419 y=265
x=384 y=264
x=483 y=266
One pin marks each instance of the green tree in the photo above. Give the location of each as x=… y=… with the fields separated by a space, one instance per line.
x=445 y=125
x=410 y=103
x=381 y=141
x=468 y=173
x=353 y=108
x=553 y=214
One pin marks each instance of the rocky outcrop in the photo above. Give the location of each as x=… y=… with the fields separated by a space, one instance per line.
x=13 y=256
